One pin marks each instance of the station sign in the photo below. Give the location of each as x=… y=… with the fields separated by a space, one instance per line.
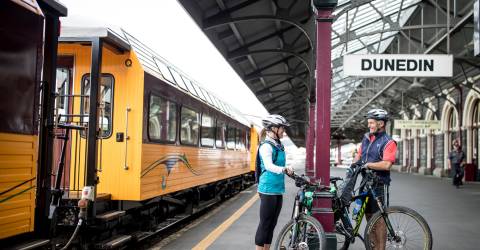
x=409 y=65
x=416 y=124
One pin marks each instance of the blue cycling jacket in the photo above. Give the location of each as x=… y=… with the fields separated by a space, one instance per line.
x=269 y=182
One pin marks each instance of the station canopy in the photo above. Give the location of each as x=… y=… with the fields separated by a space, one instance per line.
x=271 y=46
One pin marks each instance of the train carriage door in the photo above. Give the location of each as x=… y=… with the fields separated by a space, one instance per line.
x=63 y=110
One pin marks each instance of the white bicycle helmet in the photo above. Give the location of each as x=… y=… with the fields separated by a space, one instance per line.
x=377 y=114
x=274 y=121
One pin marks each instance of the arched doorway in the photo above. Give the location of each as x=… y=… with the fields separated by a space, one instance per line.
x=450 y=130
x=475 y=142
x=416 y=143
x=411 y=149
x=471 y=120
x=429 y=143
x=404 y=134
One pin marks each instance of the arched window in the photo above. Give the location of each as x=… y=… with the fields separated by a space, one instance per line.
x=452 y=120
x=475 y=130
x=476 y=115
x=452 y=128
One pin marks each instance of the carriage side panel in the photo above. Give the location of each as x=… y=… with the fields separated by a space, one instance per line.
x=172 y=166
x=114 y=178
x=21 y=45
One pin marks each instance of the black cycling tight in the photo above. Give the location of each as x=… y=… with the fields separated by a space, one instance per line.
x=270 y=206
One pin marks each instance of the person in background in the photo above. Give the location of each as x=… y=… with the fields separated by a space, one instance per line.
x=456 y=162
x=270 y=173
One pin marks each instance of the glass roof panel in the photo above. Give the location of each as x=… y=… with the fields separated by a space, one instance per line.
x=368 y=23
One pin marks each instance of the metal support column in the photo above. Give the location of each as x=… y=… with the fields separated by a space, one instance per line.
x=323 y=203
x=93 y=128
x=310 y=141
x=45 y=157
x=339 y=152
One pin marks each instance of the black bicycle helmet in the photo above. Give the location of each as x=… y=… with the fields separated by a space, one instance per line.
x=377 y=114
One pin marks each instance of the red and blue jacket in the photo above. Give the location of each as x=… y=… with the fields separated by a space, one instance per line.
x=378 y=147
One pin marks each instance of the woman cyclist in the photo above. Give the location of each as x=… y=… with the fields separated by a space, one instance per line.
x=271 y=174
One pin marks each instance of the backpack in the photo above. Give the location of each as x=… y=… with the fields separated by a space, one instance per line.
x=258 y=164
x=348 y=186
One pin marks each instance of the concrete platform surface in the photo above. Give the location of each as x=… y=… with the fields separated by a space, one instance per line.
x=453 y=215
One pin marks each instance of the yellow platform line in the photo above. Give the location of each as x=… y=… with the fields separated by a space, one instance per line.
x=207 y=241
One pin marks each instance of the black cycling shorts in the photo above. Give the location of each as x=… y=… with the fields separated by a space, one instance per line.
x=382 y=192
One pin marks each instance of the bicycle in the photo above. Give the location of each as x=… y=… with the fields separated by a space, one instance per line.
x=303 y=231
x=396 y=219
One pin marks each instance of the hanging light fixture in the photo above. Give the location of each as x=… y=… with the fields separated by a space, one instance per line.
x=416 y=84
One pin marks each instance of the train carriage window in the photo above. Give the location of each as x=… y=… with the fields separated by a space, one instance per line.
x=244 y=139
x=62 y=89
x=231 y=133
x=208 y=131
x=178 y=79
x=247 y=132
x=189 y=130
x=164 y=70
x=106 y=93
x=240 y=139
x=162 y=119
x=221 y=131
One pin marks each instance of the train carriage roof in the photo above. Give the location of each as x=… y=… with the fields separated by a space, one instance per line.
x=153 y=64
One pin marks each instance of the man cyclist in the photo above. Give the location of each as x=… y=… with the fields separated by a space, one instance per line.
x=377 y=152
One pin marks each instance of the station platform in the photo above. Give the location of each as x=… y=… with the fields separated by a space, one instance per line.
x=451 y=213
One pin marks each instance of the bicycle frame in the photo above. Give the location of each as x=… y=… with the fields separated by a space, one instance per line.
x=391 y=231
x=358 y=221
x=303 y=203
x=365 y=196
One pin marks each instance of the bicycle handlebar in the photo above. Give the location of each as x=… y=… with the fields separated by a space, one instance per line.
x=302 y=180
x=355 y=170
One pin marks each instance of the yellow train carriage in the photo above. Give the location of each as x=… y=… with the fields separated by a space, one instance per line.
x=20 y=53
x=254 y=142
x=160 y=131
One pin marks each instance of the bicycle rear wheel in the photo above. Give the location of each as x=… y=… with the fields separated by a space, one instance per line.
x=411 y=230
x=309 y=234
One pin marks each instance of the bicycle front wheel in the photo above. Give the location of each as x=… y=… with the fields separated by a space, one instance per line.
x=411 y=230
x=305 y=233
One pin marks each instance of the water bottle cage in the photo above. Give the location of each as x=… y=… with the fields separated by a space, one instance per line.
x=308 y=199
